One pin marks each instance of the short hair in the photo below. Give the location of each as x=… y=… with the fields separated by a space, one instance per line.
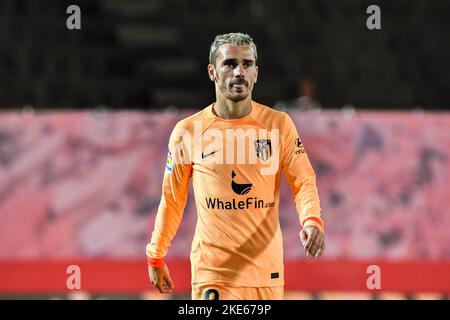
x=236 y=38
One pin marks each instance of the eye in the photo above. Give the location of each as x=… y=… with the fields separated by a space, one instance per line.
x=248 y=64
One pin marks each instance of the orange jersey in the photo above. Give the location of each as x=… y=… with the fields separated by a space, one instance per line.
x=236 y=167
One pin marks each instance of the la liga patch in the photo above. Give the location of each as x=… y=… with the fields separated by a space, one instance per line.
x=169 y=163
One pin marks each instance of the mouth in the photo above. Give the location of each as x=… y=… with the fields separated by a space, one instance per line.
x=239 y=86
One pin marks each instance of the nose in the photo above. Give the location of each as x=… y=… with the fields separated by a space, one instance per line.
x=238 y=70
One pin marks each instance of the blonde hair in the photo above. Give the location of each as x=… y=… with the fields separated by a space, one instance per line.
x=237 y=38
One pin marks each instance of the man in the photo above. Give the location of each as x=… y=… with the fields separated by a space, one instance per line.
x=237 y=249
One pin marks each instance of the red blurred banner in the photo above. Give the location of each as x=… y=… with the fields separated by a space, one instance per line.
x=131 y=276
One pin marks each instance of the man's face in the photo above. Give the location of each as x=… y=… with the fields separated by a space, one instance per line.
x=235 y=71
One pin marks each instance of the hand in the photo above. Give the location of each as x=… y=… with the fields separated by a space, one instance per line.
x=160 y=278
x=313 y=241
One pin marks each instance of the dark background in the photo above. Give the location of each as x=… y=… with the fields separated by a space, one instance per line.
x=145 y=54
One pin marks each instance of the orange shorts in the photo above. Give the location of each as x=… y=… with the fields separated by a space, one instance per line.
x=223 y=291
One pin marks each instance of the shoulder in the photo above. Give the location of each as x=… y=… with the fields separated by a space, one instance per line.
x=186 y=130
x=188 y=122
x=270 y=117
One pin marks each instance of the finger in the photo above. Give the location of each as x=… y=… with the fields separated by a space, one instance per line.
x=160 y=286
x=311 y=238
x=319 y=244
x=303 y=237
x=166 y=287
x=318 y=251
x=169 y=282
x=308 y=252
x=314 y=246
x=154 y=283
x=153 y=277
x=322 y=246
x=321 y=250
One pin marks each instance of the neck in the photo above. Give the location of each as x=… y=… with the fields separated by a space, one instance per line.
x=228 y=109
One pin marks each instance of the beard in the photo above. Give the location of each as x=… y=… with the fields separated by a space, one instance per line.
x=233 y=94
x=238 y=96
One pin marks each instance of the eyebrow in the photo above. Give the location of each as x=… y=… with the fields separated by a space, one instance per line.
x=235 y=60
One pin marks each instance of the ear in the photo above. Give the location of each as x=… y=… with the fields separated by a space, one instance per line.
x=211 y=72
x=256 y=75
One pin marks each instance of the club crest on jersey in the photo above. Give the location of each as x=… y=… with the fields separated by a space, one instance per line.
x=169 y=163
x=263 y=149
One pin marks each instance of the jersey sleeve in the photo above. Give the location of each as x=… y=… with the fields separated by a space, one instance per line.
x=175 y=189
x=300 y=176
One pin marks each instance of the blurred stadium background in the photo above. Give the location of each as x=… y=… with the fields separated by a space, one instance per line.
x=86 y=115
